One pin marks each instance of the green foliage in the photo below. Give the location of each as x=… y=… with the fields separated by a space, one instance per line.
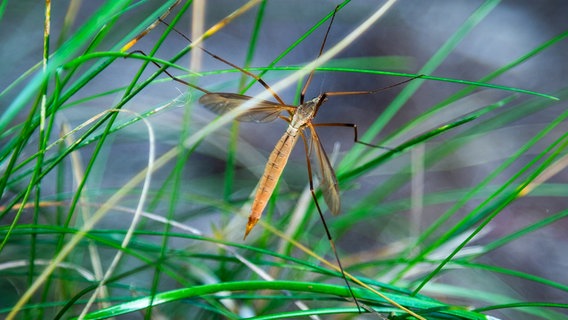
x=87 y=207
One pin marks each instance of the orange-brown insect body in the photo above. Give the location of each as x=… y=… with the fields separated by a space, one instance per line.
x=278 y=159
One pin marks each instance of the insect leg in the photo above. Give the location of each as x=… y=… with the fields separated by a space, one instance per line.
x=352 y=93
x=248 y=73
x=355 y=133
x=168 y=73
x=329 y=237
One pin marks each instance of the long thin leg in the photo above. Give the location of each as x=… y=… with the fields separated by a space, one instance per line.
x=352 y=93
x=331 y=242
x=355 y=133
x=257 y=78
x=310 y=77
x=149 y=28
x=324 y=95
x=169 y=74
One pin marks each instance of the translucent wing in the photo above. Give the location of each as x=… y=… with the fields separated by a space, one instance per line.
x=328 y=181
x=263 y=111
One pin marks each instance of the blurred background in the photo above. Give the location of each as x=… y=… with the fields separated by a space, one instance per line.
x=403 y=41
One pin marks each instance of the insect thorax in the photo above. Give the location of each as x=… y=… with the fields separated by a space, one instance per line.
x=305 y=112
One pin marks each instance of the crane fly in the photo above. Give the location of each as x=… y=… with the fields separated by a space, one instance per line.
x=299 y=121
x=302 y=115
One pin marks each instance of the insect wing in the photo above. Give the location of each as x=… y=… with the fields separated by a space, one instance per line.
x=263 y=111
x=328 y=181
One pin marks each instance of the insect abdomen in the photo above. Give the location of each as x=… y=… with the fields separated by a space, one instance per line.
x=274 y=167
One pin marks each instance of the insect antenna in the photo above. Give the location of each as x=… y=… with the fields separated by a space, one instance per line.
x=248 y=73
x=311 y=76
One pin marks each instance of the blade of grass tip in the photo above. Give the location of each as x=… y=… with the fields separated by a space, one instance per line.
x=485 y=297
x=492 y=86
x=356 y=152
x=527 y=307
x=472 y=84
x=15 y=83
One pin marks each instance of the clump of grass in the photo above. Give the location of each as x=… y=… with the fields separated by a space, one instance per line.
x=89 y=232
